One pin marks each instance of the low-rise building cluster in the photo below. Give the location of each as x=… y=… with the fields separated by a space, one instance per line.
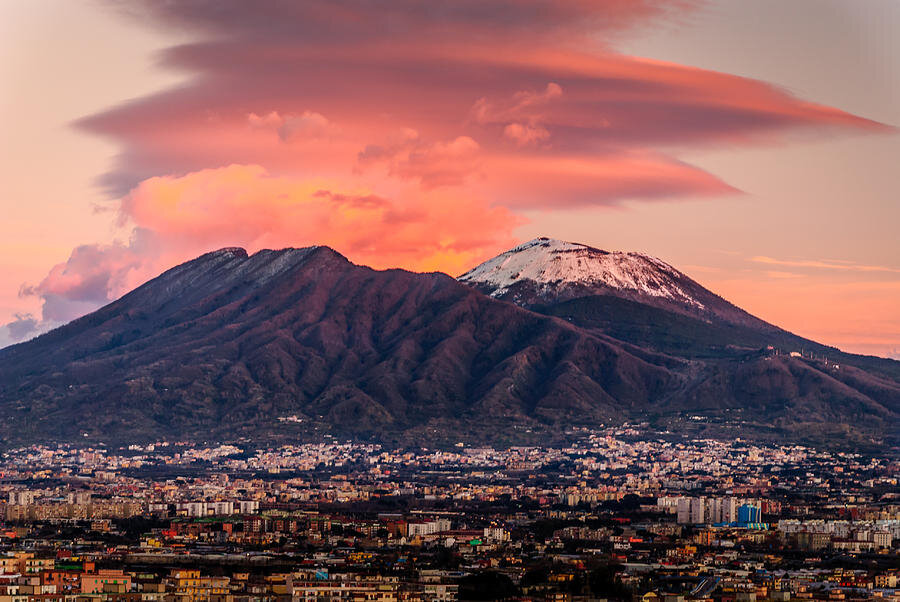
x=618 y=514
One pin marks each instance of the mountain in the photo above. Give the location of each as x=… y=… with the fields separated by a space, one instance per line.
x=231 y=345
x=299 y=343
x=741 y=365
x=547 y=271
x=641 y=300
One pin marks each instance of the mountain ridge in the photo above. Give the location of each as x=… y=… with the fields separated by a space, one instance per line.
x=569 y=298
x=293 y=341
x=225 y=345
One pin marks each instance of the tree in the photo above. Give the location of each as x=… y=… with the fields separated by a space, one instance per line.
x=488 y=585
x=603 y=583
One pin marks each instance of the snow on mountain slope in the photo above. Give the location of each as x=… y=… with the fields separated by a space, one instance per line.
x=554 y=263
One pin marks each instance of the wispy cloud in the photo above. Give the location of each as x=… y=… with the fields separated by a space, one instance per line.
x=781 y=275
x=825 y=264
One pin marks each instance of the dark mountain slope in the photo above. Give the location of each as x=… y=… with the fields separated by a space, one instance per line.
x=641 y=300
x=685 y=336
x=225 y=345
x=295 y=343
x=743 y=373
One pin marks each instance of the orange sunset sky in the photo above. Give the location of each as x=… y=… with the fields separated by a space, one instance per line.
x=753 y=145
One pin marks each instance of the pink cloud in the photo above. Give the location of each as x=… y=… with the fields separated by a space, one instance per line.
x=308 y=126
x=271 y=120
x=175 y=219
x=520 y=115
x=523 y=105
x=91 y=276
x=404 y=134
x=524 y=134
x=586 y=181
x=441 y=163
x=513 y=99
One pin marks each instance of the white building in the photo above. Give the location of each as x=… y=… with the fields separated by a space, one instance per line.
x=427 y=527
x=248 y=506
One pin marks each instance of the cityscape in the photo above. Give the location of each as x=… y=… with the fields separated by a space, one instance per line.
x=620 y=514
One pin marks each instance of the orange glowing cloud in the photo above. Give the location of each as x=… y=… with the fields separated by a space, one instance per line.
x=177 y=218
x=404 y=134
x=243 y=204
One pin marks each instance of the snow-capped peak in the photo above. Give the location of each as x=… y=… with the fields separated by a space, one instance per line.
x=553 y=263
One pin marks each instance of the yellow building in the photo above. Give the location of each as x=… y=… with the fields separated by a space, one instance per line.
x=189 y=585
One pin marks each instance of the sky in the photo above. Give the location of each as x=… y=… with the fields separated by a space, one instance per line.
x=753 y=145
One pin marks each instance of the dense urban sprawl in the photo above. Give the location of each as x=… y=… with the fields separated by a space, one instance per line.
x=619 y=514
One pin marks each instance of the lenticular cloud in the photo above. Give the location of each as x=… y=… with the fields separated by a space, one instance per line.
x=404 y=134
